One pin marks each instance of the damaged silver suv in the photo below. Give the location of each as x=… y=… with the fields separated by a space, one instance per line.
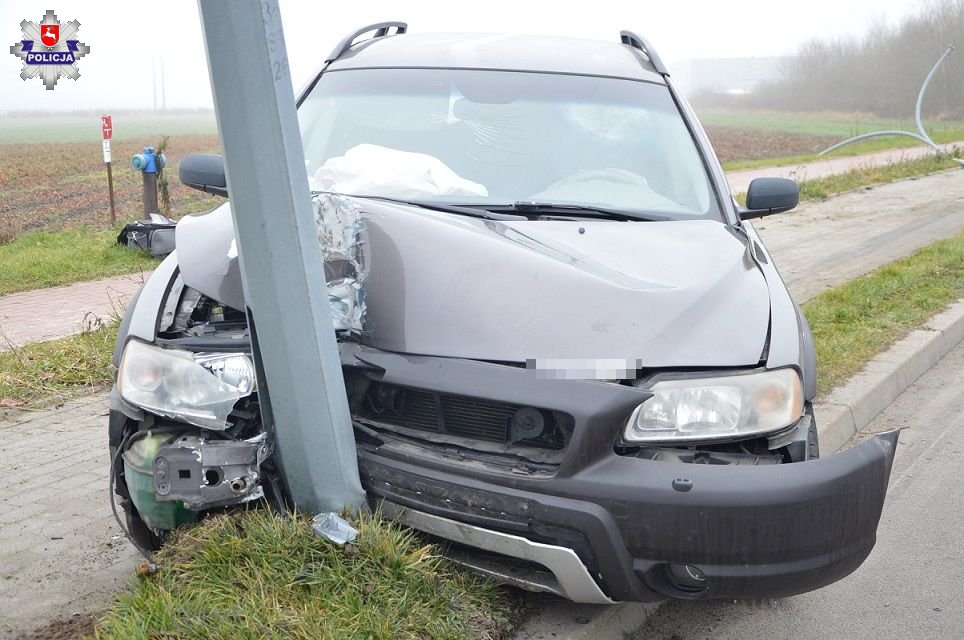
x=566 y=351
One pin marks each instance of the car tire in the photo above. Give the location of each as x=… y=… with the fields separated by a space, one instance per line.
x=141 y=535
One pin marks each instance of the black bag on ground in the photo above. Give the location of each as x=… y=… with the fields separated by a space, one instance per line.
x=155 y=237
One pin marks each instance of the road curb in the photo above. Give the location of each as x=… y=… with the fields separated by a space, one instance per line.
x=557 y=619
x=840 y=415
x=850 y=408
x=616 y=621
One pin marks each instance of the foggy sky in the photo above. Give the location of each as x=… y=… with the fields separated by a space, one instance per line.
x=132 y=39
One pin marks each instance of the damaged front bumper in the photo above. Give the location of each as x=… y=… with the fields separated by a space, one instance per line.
x=646 y=531
x=566 y=507
x=643 y=528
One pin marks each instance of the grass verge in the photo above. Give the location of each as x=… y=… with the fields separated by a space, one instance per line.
x=824 y=128
x=856 y=321
x=40 y=259
x=42 y=372
x=824 y=123
x=855 y=149
x=821 y=188
x=260 y=575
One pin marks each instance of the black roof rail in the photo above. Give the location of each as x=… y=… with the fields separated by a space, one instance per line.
x=380 y=29
x=638 y=42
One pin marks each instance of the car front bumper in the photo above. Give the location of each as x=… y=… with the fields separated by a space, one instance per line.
x=625 y=523
x=753 y=532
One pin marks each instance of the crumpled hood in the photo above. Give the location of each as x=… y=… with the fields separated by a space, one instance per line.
x=663 y=294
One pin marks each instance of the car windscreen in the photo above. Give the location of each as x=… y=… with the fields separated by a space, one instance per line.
x=483 y=137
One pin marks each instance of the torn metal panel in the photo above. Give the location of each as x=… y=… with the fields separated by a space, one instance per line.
x=343 y=242
x=189 y=301
x=169 y=314
x=210 y=473
x=209 y=257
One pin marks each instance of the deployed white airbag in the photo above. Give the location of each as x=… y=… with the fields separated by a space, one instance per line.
x=372 y=170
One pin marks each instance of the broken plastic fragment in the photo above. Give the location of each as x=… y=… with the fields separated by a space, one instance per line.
x=334 y=527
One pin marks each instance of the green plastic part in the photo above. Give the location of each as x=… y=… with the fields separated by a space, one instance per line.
x=139 y=473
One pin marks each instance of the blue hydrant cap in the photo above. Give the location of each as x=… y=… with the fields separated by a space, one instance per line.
x=148 y=162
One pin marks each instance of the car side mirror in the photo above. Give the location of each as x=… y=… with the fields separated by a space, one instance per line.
x=770 y=195
x=204 y=172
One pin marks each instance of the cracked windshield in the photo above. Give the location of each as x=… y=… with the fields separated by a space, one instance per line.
x=488 y=138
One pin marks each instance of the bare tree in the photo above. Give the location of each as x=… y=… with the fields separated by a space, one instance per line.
x=879 y=72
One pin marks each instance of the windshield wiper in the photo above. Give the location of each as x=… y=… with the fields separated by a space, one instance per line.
x=587 y=210
x=449 y=208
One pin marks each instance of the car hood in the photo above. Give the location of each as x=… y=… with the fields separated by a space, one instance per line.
x=657 y=294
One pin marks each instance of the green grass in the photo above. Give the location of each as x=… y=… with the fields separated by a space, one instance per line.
x=856 y=321
x=843 y=125
x=42 y=372
x=857 y=149
x=41 y=259
x=839 y=125
x=260 y=575
x=821 y=188
x=61 y=128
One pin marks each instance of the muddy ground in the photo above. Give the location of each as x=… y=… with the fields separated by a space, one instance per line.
x=734 y=144
x=77 y=626
x=49 y=186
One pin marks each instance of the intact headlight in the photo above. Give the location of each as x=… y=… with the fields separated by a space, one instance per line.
x=198 y=388
x=699 y=409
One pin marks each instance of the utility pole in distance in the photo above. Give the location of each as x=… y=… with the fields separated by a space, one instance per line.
x=293 y=340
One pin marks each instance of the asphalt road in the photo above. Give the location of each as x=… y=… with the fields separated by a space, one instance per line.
x=912 y=585
x=822 y=244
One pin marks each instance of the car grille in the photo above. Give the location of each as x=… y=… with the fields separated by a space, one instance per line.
x=458 y=415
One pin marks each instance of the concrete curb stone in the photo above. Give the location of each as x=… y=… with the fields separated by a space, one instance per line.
x=848 y=409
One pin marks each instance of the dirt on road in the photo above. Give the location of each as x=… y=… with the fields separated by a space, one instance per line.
x=75 y=627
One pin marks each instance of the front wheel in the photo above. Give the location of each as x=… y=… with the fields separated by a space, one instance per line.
x=141 y=535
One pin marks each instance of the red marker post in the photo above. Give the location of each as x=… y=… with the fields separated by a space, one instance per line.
x=107 y=129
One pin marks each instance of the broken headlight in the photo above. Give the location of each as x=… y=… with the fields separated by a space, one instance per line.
x=198 y=388
x=700 y=409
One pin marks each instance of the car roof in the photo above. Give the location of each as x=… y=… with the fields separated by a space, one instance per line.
x=550 y=54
